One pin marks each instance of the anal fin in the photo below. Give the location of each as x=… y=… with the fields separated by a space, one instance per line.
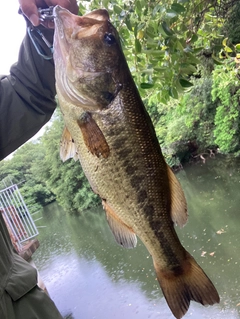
x=93 y=136
x=123 y=234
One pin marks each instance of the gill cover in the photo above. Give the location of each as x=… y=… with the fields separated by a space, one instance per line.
x=87 y=60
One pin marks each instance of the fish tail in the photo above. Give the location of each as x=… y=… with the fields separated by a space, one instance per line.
x=188 y=282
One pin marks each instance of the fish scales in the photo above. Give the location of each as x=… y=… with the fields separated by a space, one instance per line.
x=107 y=178
x=109 y=130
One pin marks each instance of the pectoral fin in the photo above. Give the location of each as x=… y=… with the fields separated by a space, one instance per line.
x=93 y=136
x=179 y=212
x=123 y=234
x=67 y=146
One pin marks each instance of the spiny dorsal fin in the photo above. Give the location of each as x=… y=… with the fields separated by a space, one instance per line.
x=67 y=146
x=123 y=234
x=179 y=212
x=93 y=136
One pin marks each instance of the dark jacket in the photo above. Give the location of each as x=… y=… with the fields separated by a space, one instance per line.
x=27 y=97
x=27 y=101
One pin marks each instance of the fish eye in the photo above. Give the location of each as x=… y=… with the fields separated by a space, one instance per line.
x=109 y=38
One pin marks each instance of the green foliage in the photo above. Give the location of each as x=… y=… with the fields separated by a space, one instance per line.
x=205 y=118
x=21 y=169
x=231 y=26
x=173 y=49
x=226 y=90
x=166 y=45
x=161 y=40
x=199 y=112
x=189 y=122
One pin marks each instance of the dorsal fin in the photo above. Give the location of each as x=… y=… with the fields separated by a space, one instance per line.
x=67 y=146
x=123 y=234
x=179 y=212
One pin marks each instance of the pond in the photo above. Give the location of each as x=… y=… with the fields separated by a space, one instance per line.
x=90 y=277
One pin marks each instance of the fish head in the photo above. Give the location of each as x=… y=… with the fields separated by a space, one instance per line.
x=88 y=58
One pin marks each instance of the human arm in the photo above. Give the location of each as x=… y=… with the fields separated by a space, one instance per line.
x=27 y=95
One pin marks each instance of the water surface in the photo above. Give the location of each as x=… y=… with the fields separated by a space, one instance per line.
x=90 y=277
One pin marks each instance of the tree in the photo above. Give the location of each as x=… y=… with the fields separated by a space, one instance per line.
x=162 y=40
x=226 y=90
x=184 y=56
x=22 y=169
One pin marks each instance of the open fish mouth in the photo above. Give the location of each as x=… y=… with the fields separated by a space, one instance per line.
x=85 y=26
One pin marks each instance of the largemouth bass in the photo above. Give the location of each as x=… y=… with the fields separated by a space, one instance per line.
x=109 y=130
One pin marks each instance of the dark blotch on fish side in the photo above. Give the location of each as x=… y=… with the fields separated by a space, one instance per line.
x=123 y=153
x=114 y=131
x=149 y=210
x=136 y=180
x=168 y=251
x=142 y=195
x=119 y=142
x=130 y=170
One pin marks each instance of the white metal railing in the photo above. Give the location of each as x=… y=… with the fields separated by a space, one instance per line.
x=16 y=215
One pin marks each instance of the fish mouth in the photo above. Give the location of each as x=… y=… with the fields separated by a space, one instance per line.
x=75 y=40
x=74 y=26
x=70 y=27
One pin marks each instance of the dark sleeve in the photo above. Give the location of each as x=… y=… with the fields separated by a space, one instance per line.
x=27 y=97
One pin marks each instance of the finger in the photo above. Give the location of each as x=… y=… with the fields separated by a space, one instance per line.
x=29 y=9
x=73 y=6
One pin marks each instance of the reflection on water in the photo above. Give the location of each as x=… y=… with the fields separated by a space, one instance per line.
x=90 y=277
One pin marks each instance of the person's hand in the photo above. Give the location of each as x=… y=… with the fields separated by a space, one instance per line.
x=30 y=7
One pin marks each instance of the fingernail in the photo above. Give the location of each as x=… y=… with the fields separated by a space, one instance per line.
x=34 y=19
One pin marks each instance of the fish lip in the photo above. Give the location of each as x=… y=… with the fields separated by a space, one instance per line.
x=58 y=20
x=81 y=26
x=58 y=9
x=58 y=13
x=59 y=29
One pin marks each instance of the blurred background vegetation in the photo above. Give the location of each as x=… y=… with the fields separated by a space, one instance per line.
x=185 y=57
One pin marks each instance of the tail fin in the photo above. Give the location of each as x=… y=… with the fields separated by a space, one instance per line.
x=188 y=283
